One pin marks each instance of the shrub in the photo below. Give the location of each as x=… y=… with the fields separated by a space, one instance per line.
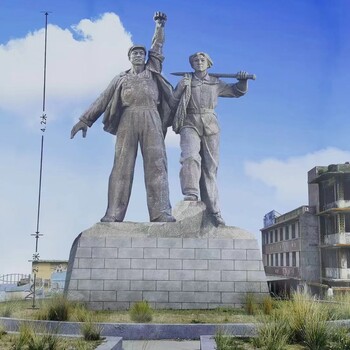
x=141 y=312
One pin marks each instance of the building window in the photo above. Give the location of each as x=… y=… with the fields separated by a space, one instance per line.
x=347 y=252
x=281 y=234
x=346 y=185
x=276 y=259
x=331 y=225
x=271 y=256
x=329 y=258
x=287 y=232
x=294 y=259
x=293 y=230
x=276 y=236
x=347 y=222
x=271 y=236
x=287 y=259
x=281 y=259
x=329 y=193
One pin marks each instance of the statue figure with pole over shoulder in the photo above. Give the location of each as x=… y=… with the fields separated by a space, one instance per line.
x=136 y=106
x=196 y=122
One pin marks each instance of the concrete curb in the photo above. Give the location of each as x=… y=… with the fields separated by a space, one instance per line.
x=138 y=331
x=207 y=342
x=111 y=343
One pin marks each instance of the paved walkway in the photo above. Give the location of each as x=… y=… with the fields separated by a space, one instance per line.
x=161 y=345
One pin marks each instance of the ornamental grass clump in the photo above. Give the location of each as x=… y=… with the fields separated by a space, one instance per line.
x=30 y=339
x=7 y=308
x=57 y=308
x=2 y=331
x=341 y=306
x=226 y=342
x=80 y=313
x=296 y=311
x=273 y=333
x=91 y=329
x=251 y=304
x=307 y=320
x=141 y=312
x=267 y=305
x=339 y=339
x=315 y=331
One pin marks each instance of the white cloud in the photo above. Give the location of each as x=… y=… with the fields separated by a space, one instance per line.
x=289 y=177
x=80 y=63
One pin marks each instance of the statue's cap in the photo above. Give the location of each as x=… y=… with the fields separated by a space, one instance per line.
x=200 y=53
x=135 y=47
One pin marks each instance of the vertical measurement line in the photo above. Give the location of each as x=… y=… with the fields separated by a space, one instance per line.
x=44 y=87
x=43 y=128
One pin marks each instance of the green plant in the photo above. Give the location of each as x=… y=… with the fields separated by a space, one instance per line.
x=90 y=328
x=267 y=305
x=295 y=313
x=57 y=308
x=31 y=338
x=6 y=309
x=315 y=330
x=2 y=331
x=80 y=313
x=43 y=342
x=226 y=342
x=250 y=304
x=341 y=306
x=141 y=312
x=273 y=333
x=339 y=339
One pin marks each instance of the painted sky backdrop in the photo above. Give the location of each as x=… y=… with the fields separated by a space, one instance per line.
x=294 y=117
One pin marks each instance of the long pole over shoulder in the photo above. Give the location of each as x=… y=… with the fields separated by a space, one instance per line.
x=217 y=75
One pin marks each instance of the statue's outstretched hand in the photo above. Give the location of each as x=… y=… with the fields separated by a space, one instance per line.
x=77 y=127
x=242 y=75
x=160 y=18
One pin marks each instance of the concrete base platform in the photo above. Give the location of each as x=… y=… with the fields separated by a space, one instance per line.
x=188 y=264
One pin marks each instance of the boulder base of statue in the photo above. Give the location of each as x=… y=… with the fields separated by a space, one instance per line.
x=188 y=264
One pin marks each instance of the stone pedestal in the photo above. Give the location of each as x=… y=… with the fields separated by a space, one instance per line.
x=188 y=264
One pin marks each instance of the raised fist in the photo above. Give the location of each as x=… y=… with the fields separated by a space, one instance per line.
x=160 y=18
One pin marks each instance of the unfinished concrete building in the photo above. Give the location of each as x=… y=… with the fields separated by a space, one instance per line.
x=290 y=250
x=310 y=246
x=329 y=193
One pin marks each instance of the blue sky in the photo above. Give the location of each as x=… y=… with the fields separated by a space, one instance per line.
x=294 y=117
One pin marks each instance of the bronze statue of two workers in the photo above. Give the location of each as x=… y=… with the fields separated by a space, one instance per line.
x=139 y=105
